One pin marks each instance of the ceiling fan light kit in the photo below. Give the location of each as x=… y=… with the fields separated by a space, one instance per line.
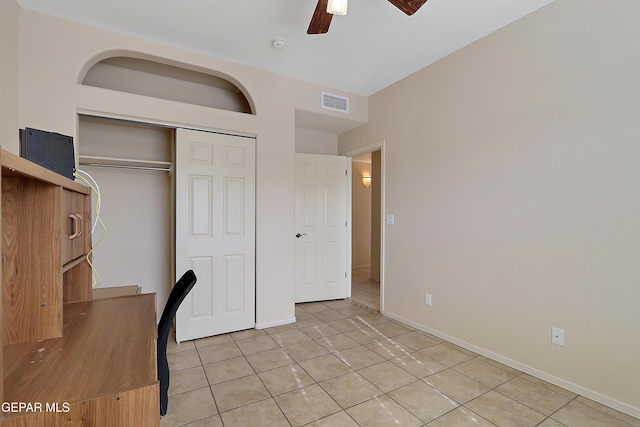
x=337 y=7
x=325 y=9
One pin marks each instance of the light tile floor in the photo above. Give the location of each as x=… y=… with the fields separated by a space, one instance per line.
x=344 y=365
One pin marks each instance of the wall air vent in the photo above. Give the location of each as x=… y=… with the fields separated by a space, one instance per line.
x=335 y=102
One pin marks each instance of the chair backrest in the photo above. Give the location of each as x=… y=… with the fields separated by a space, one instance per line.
x=178 y=294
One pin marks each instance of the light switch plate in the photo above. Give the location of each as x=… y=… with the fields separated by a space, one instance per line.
x=391 y=219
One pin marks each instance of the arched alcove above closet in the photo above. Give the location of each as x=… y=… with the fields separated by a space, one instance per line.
x=164 y=81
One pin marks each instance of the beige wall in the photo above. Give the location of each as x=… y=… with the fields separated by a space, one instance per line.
x=512 y=168
x=9 y=33
x=54 y=54
x=316 y=142
x=361 y=216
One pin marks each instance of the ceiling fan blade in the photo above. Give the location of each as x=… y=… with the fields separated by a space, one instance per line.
x=321 y=19
x=408 y=6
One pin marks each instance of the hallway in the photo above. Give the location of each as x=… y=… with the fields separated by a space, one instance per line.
x=364 y=291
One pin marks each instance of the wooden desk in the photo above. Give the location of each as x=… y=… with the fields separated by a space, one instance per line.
x=66 y=360
x=117 y=291
x=103 y=368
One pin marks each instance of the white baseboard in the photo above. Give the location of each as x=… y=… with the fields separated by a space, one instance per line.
x=582 y=391
x=265 y=325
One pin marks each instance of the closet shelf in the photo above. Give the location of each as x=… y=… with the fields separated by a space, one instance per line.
x=124 y=163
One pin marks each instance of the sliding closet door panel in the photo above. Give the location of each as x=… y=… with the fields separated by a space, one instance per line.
x=215 y=232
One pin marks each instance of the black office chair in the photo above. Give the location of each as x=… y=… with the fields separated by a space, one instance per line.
x=178 y=293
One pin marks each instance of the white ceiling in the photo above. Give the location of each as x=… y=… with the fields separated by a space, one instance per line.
x=371 y=47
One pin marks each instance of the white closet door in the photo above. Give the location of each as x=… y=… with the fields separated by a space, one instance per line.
x=215 y=232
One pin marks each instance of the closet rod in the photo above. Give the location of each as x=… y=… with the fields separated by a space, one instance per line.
x=145 y=168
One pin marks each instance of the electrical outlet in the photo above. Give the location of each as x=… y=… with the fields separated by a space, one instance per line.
x=427 y=299
x=557 y=336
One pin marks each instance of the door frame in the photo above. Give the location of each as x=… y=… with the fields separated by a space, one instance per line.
x=379 y=145
x=103 y=114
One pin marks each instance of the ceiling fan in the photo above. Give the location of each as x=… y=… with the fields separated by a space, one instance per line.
x=322 y=19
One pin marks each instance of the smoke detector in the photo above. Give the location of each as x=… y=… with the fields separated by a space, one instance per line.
x=278 y=43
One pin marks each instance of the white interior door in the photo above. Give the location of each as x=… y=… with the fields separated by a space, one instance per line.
x=322 y=227
x=215 y=232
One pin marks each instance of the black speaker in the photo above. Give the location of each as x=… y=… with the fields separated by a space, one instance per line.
x=51 y=150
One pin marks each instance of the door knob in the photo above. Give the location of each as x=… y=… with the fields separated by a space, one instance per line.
x=300 y=235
